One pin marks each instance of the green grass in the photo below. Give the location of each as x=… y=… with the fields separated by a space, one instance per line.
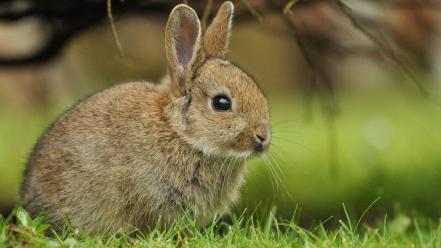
x=19 y=230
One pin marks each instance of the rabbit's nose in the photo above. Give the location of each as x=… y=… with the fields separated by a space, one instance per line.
x=262 y=138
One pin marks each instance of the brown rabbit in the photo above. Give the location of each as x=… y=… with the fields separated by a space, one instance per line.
x=138 y=154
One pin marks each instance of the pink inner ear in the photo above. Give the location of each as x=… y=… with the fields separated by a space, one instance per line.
x=185 y=41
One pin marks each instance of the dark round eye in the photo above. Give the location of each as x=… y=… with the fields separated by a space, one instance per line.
x=221 y=103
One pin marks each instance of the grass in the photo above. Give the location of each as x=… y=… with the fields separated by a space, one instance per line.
x=19 y=230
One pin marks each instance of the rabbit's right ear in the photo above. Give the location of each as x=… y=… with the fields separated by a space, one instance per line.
x=218 y=33
x=183 y=43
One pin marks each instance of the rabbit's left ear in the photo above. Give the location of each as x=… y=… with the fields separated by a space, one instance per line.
x=183 y=43
x=217 y=36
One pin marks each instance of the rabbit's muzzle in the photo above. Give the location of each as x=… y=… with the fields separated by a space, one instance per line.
x=262 y=138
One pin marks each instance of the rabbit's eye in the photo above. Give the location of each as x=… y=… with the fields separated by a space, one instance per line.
x=221 y=103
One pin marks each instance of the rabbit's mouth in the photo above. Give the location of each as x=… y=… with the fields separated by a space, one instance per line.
x=247 y=148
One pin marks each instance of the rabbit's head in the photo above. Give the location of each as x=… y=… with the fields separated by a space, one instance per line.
x=217 y=107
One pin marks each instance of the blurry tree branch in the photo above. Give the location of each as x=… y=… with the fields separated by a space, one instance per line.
x=66 y=18
x=319 y=28
x=388 y=51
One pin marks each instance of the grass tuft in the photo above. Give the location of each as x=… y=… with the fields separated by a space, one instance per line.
x=20 y=230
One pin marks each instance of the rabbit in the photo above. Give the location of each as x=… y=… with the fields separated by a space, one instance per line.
x=142 y=155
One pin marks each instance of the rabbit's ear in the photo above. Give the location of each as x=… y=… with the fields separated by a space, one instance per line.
x=218 y=33
x=182 y=42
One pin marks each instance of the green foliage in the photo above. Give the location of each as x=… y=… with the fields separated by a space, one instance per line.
x=2 y=231
x=19 y=230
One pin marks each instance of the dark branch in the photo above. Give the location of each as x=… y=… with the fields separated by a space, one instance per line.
x=65 y=19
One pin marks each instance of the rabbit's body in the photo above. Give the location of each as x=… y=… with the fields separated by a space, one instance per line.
x=114 y=190
x=140 y=154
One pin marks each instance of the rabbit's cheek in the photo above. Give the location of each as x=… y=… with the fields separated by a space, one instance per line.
x=242 y=144
x=228 y=132
x=242 y=141
x=237 y=126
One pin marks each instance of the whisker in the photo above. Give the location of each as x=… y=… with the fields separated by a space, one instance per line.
x=230 y=170
x=286 y=133
x=277 y=158
x=286 y=129
x=291 y=142
x=280 y=158
x=272 y=177
x=278 y=122
x=234 y=167
x=218 y=179
x=276 y=170
x=225 y=178
x=273 y=156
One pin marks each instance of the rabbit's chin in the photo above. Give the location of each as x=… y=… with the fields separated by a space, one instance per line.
x=210 y=151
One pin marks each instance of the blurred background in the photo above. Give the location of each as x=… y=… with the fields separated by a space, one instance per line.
x=354 y=87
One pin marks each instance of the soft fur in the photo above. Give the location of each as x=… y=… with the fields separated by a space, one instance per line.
x=139 y=155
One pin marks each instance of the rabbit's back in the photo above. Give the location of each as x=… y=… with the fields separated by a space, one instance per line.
x=85 y=162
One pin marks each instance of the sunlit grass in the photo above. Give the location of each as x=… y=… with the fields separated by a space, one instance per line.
x=19 y=230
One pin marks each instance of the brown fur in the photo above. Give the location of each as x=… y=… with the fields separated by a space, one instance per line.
x=138 y=154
